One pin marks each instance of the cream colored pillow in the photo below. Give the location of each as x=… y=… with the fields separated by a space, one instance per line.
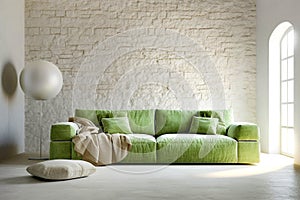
x=61 y=169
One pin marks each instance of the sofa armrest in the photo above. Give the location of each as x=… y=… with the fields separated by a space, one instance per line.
x=63 y=131
x=243 y=131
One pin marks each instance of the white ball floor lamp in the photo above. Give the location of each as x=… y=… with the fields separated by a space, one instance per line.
x=41 y=80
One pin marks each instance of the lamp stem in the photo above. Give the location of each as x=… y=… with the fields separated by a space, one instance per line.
x=40 y=133
x=41 y=129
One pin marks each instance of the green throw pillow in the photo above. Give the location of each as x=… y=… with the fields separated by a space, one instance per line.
x=204 y=125
x=225 y=116
x=116 y=125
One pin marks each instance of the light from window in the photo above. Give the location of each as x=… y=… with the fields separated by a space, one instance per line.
x=287 y=93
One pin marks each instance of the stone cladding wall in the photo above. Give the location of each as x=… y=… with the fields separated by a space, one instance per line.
x=140 y=54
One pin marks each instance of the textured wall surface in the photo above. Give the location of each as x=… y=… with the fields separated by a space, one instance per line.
x=130 y=54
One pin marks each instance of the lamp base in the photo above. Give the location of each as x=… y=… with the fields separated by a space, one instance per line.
x=38 y=158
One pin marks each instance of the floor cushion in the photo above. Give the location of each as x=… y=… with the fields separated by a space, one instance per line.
x=61 y=169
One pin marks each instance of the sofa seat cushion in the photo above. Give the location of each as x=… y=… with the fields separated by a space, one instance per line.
x=141 y=138
x=142 y=143
x=143 y=149
x=195 y=148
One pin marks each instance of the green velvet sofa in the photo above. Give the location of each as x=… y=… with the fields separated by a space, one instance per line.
x=170 y=136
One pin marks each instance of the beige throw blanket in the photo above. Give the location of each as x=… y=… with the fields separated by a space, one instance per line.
x=99 y=148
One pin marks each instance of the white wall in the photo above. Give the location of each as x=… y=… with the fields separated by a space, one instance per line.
x=11 y=63
x=140 y=54
x=271 y=13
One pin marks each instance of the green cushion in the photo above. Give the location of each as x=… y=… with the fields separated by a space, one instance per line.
x=103 y=114
x=141 y=121
x=204 y=125
x=63 y=131
x=244 y=131
x=118 y=113
x=116 y=125
x=88 y=114
x=196 y=148
x=173 y=121
x=143 y=149
x=225 y=116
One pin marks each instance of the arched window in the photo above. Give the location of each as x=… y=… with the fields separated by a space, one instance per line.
x=281 y=90
x=287 y=92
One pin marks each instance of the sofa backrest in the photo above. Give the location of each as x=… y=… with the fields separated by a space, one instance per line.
x=88 y=114
x=157 y=122
x=140 y=121
x=173 y=121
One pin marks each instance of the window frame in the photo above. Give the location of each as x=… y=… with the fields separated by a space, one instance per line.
x=285 y=150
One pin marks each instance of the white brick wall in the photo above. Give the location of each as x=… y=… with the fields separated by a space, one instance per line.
x=142 y=54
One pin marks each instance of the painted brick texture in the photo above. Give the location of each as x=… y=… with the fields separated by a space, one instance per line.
x=140 y=54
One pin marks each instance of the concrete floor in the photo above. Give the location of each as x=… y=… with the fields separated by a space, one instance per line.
x=274 y=178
